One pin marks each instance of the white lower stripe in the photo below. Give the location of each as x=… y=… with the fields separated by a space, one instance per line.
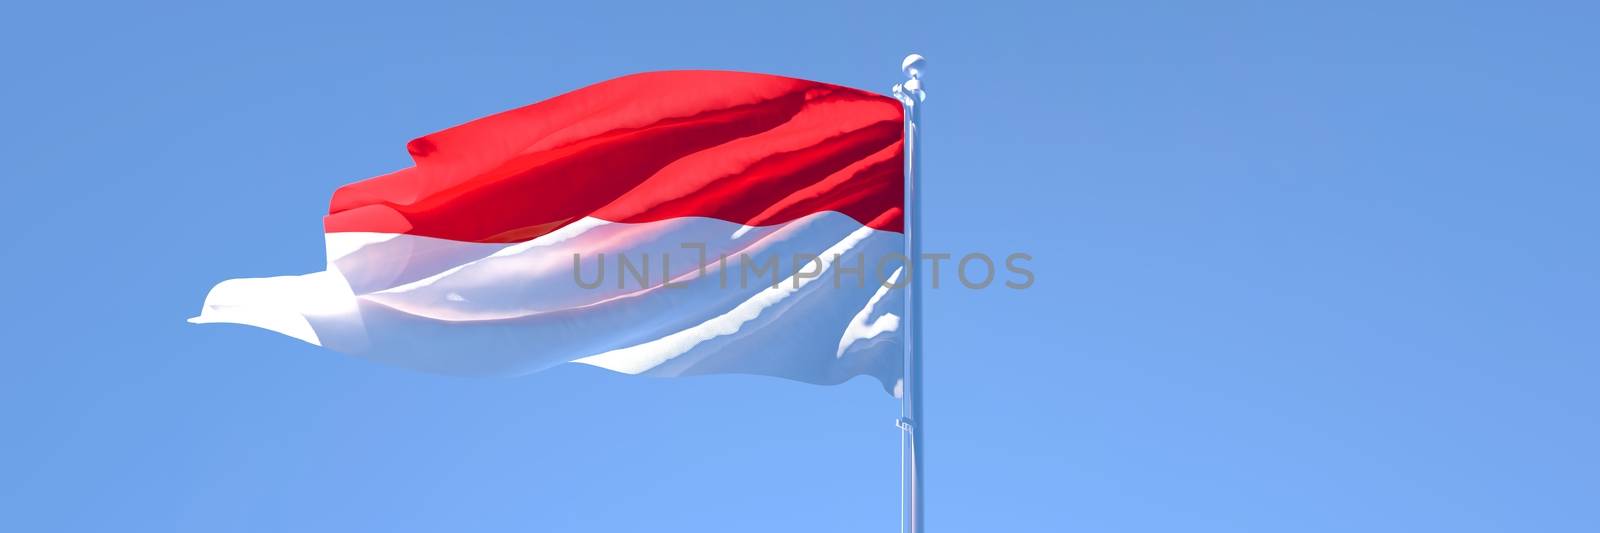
x=470 y=308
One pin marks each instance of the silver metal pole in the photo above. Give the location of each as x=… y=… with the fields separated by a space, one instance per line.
x=911 y=424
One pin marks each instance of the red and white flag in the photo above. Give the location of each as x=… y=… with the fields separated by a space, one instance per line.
x=666 y=223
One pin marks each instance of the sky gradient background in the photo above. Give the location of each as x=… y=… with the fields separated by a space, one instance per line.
x=1300 y=268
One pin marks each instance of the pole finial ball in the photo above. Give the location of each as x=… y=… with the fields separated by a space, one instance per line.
x=913 y=66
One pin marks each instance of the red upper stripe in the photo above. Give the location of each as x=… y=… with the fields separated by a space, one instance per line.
x=748 y=148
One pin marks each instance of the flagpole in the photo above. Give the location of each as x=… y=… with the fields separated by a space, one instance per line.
x=911 y=425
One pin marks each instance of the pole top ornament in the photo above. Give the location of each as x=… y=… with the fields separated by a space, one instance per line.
x=913 y=65
x=910 y=91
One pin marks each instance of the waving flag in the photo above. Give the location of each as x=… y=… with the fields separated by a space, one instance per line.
x=666 y=223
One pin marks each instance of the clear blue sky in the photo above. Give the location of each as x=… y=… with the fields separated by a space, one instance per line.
x=1300 y=268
